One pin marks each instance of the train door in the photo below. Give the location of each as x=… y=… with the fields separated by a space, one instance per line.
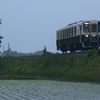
x=93 y=33
x=80 y=31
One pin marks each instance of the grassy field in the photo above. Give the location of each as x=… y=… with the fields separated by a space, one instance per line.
x=78 y=68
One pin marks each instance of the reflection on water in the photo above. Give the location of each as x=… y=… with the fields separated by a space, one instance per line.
x=47 y=90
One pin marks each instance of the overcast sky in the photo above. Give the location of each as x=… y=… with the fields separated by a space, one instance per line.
x=28 y=25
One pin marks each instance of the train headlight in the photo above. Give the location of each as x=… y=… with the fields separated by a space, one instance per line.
x=87 y=36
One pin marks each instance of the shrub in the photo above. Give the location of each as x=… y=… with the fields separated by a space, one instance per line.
x=98 y=52
x=92 y=53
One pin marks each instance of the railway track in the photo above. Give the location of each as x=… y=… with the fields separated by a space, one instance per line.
x=69 y=53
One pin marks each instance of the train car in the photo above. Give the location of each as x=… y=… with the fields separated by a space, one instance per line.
x=82 y=35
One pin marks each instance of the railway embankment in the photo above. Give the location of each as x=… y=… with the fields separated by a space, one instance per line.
x=77 y=68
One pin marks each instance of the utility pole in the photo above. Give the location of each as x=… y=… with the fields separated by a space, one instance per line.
x=3 y=51
x=8 y=49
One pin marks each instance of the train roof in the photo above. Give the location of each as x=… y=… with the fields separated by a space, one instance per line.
x=77 y=23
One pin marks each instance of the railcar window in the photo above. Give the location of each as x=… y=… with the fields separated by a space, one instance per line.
x=98 y=26
x=93 y=27
x=67 y=32
x=74 y=30
x=70 y=32
x=61 y=34
x=86 y=27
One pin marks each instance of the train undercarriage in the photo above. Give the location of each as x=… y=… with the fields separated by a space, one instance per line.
x=79 y=46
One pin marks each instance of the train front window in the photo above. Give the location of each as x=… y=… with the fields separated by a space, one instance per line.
x=93 y=27
x=86 y=27
x=98 y=26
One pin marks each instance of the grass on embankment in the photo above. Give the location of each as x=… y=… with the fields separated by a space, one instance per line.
x=82 y=68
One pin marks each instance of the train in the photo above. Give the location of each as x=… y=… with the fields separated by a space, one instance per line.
x=82 y=35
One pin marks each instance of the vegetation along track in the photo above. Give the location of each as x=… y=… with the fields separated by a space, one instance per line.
x=77 y=66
